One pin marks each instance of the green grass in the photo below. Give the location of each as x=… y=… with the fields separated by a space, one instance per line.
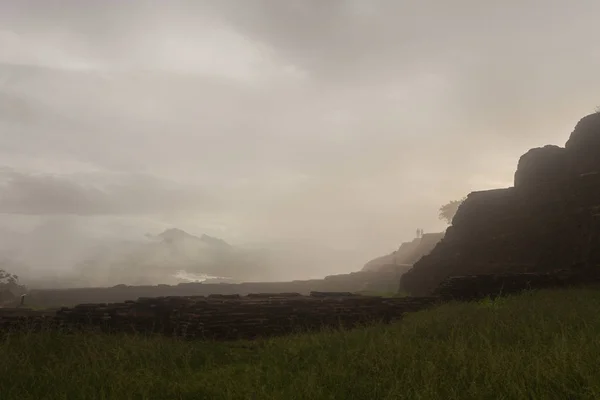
x=539 y=345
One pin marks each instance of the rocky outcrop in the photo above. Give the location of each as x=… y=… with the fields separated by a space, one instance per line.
x=583 y=145
x=408 y=253
x=543 y=165
x=548 y=220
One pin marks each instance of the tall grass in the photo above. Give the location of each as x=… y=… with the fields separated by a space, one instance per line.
x=538 y=345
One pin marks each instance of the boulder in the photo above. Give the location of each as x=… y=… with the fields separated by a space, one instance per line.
x=583 y=146
x=542 y=165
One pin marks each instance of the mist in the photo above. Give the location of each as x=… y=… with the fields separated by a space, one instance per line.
x=309 y=135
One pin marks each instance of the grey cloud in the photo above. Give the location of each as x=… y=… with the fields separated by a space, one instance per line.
x=363 y=39
x=84 y=194
x=348 y=122
x=334 y=40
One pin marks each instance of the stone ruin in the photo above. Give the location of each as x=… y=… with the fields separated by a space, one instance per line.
x=231 y=316
x=549 y=219
x=382 y=280
x=220 y=317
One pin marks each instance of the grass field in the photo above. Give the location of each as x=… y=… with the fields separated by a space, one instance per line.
x=539 y=345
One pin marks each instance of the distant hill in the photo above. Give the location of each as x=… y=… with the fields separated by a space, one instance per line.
x=408 y=253
x=171 y=257
x=168 y=258
x=175 y=235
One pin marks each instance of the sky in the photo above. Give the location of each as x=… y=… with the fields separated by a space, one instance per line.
x=342 y=123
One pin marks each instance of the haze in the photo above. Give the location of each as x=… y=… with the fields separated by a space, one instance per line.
x=319 y=125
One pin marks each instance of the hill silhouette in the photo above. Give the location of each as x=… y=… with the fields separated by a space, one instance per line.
x=170 y=257
x=408 y=253
x=548 y=220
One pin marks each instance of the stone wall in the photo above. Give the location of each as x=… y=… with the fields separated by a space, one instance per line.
x=549 y=220
x=383 y=280
x=221 y=317
x=229 y=317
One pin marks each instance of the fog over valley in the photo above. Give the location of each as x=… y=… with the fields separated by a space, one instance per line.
x=146 y=142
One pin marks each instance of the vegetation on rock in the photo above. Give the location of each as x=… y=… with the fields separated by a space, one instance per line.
x=448 y=210
x=9 y=287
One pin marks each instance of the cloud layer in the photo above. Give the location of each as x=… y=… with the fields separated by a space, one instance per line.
x=91 y=195
x=341 y=122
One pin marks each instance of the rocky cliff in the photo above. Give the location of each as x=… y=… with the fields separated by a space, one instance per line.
x=548 y=220
x=408 y=253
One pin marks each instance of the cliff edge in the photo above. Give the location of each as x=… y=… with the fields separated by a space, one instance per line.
x=408 y=253
x=549 y=219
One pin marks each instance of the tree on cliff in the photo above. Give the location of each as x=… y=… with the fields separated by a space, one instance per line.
x=447 y=211
x=10 y=282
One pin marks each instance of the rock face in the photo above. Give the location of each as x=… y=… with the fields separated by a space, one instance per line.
x=549 y=220
x=407 y=254
x=543 y=165
x=584 y=145
x=474 y=287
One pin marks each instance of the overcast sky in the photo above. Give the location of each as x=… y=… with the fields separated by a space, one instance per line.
x=343 y=122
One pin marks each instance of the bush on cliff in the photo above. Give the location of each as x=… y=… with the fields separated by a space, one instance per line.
x=541 y=345
x=9 y=287
x=448 y=210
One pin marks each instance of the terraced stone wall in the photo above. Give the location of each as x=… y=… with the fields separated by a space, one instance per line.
x=223 y=317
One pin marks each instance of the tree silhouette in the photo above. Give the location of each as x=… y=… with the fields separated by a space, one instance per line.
x=447 y=211
x=10 y=282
